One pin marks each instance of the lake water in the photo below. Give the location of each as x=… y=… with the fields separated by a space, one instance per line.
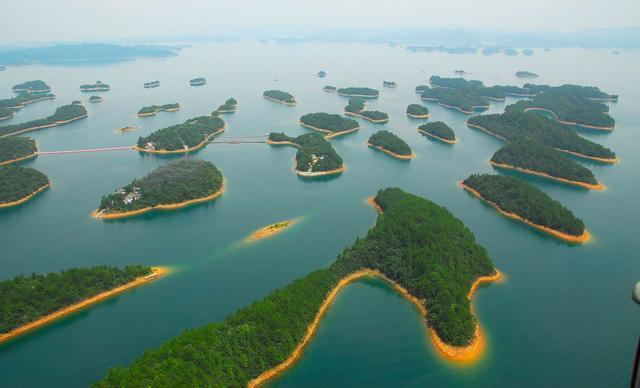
x=563 y=317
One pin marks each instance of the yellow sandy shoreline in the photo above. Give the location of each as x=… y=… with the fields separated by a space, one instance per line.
x=321 y=173
x=185 y=150
x=156 y=273
x=280 y=102
x=330 y=134
x=590 y=186
x=271 y=230
x=438 y=137
x=366 y=118
x=357 y=95
x=419 y=116
x=583 y=238
x=555 y=115
x=33 y=155
x=25 y=199
x=398 y=156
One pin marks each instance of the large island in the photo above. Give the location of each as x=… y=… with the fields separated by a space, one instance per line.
x=439 y=131
x=358 y=92
x=20 y=184
x=355 y=107
x=331 y=124
x=172 y=186
x=315 y=156
x=280 y=97
x=189 y=136
x=63 y=115
x=15 y=149
x=391 y=144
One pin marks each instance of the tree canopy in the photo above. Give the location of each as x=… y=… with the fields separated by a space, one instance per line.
x=19 y=182
x=183 y=136
x=16 y=147
x=329 y=122
x=439 y=129
x=62 y=115
x=315 y=153
x=390 y=142
x=281 y=96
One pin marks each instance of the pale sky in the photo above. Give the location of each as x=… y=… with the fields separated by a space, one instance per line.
x=23 y=21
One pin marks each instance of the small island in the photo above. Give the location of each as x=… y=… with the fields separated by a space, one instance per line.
x=37 y=86
x=321 y=74
x=315 y=156
x=418 y=111
x=358 y=92
x=330 y=89
x=151 y=84
x=525 y=74
x=527 y=52
x=459 y=72
x=389 y=84
x=15 y=149
x=588 y=92
x=331 y=124
x=63 y=115
x=155 y=109
x=391 y=144
x=490 y=51
x=95 y=99
x=510 y=52
x=18 y=102
x=173 y=186
x=198 y=81
x=229 y=106
x=97 y=87
x=280 y=97
x=439 y=131
x=530 y=157
x=356 y=108
x=32 y=301
x=271 y=230
x=20 y=184
x=515 y=125
x=186 y=137
x=518 y=200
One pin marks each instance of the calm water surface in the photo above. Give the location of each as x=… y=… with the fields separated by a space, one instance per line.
x=562 y=318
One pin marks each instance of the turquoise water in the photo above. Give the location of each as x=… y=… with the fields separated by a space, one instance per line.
x=563 y=316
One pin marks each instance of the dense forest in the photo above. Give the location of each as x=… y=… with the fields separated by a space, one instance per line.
x=280 y=96
x=529 y=154
x=153 y=109
x=229 y=106
x=417 y=110
x=16 y=147
x=390 y=142
x=590 y=92
x=471 y=88
x=439 y=129
x=515 y=125
x=61 y=116
x=179 y=181
x=329 y=122
x=415 y=242
x=95 y=99
x=183 y=136
x=19 y=183
x=455 y=98
x=37 y=86
x=23 y=99
x=359 y=92
x=514 y=195
x=25 y=299
x=315 y=153
x=356 y=107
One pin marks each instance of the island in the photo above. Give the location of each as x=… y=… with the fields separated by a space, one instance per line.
x=18 y=102
x=358 y=92
x=469 y=87
x=330 y=89
x=389 y=84
x=527 y=52
x=63 y=115
x=97 y=87
x=391 y=144
x=151 y=84
x=32 y=301
x=516 y=199
x=418 y=111
x=355 y=107
x=510 y=52
x=6 y=113
x=331 y=124
x=280 y=97
x=15 y=149
x=514 y=125
x=95 y=98
x=439 y=131
x=128 y=128
x=455 y=99
x=229 y=106
x=427 y=254
x=155 y=109
x=321 y=74
x=20 y=184
x=588 y=92
x=37 y=86
x=490 y=51
x=186 y=137
x=271 y=230
x=526 y=74
x=315 y=156
x=172 y=186
x=530 y=157
x=459 y=72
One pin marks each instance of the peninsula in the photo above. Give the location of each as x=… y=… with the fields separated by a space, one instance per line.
x=418 y=111
x=518 y=200
x=97 y=87
x=356 y=108
x=198 y=81
x=469 y=87
x=315 y=156
x=331 y=124
x=439 y=131
x=20 y=184
x=229 y=106
x=189 y=136
x=15 y=149
x=63 y=115
x=358 y=92
x=37 y=86
x=151 y=84
x=280 y=97
x=426 y=253
x=172 y=186
x=155 y=109
x=391 y=144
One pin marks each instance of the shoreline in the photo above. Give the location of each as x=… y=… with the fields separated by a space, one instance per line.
x=590 y=186
x=398 y=156
x=442 y=139
x=272 y=229
x=33 y=155
x=184 y=150
x=156 y=273
x=25 y=199
x=583 y=238
x=330 y=134
x=294 y=103
x=112 y=216
x=321 y=173
x=271 y=142
x=419 y=116
x=357 y=95
x=555 y=115
x=379 y=121
x=13 y=113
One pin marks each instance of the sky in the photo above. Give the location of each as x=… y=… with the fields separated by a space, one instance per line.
x=32 y=21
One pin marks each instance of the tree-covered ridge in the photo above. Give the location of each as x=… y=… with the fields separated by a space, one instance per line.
x=315 y=153
x=356 y=107
x=359 y=92
x=415 y=243
x=187 y=135
x=590 y=92
x=12 y=148
x=329 y=88
x=19 y=182
x=25 y=299
x=63 y=115
x=153 y=109
x=280 y=96
x=390 y=142
x=179 y=181
x=515 y=196
x=525 y=74
x=516 y=125
x=439 y=129
x=473 y=87
x=528 y=154
x=568 y=108
x=417 y=110
x=229 y=106
x=36 y=86
x=459 y=99
x=99 y=86
x=329 y=122
x=23 y=99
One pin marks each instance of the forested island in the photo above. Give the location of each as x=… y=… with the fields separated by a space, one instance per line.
x=391 y=144
x=95 y=98
x=97 y=87
x=6 y=113
x=516 y=199
x=419 y=247
x=470 y=88
x=530 y=157
x=526 y=74
x=151 y=84
x=172 y=186
x=63 y=115
x=418 y=111
x=321 y=74
x=229 y=106
x=19 y=184
x=155 y=109
x=358 y=92
x=588 y=92
x=329 y=88
x=279 y=96
x=198 y=81
x=454 y=99
x=15 y=149
x=516 y=125
x=18 y=102
x=37 y=86
x=315 y=156
x=188 y=136
x=355 y=107
x=389 y=84
x=32 y=301
x=331 y=124
x=438 y=130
